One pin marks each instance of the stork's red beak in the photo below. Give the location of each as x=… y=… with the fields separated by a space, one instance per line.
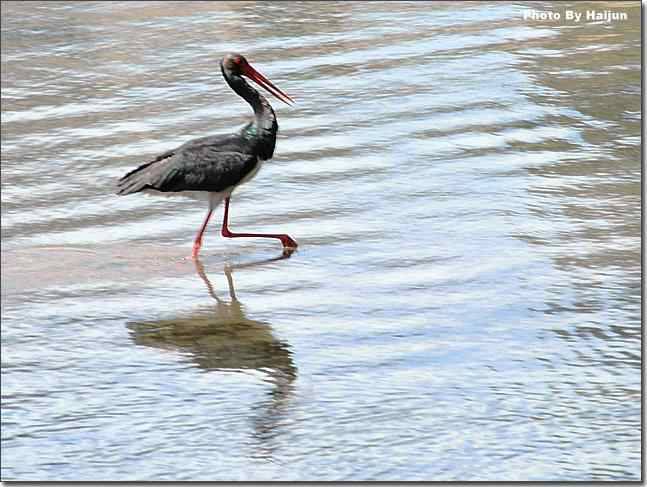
x=261 y=80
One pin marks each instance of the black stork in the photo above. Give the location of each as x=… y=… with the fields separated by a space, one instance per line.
x=214 y=166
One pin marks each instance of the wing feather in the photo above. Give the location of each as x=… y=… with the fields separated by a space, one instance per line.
x=208 y=164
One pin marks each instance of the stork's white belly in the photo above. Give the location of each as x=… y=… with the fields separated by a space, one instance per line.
x=194 y=195
x=250 y=175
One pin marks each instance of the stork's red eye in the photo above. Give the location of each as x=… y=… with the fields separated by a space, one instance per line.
x=237 y=60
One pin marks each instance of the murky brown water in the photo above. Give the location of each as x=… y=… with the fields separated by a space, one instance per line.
x=465 y=302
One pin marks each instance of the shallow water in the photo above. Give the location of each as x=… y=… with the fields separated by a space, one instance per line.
x=464 y=185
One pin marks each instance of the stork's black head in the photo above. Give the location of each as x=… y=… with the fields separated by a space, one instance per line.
x=236 y=65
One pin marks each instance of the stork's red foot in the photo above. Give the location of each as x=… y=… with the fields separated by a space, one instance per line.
x=288 y=242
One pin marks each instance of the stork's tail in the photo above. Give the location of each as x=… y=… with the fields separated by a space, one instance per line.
x=132 y=182
x=139 y=178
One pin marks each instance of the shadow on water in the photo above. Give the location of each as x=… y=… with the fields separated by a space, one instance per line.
x=222 y=338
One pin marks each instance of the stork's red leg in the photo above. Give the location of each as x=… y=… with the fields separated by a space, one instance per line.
x=286 y=240
x=198 y=239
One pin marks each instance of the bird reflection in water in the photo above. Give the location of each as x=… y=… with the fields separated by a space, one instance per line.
x=225 y=339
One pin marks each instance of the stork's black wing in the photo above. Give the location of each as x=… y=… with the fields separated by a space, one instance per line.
x=207 y=164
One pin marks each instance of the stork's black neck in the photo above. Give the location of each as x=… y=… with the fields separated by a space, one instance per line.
x=264 y=127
